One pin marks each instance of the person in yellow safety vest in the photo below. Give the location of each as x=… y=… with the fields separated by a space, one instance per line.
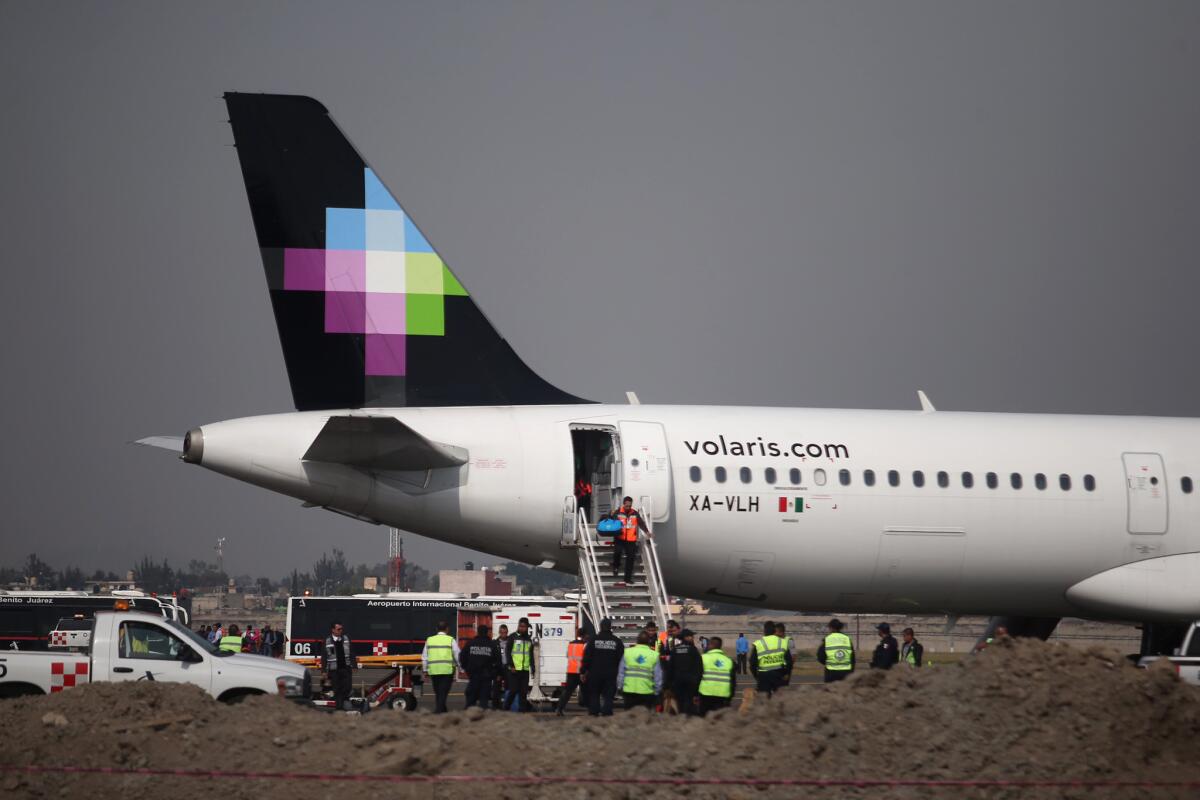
x=640 y=674
x=836 y=653
x=719 y=680
x=231 y=642
x=438 y=659
x=769 y=660
x=574 y=668
x=520 y=667
x=911 y=651
x=626 y=540
x=781 y=632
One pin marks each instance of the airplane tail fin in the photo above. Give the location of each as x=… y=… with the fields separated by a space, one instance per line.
x=368 y=314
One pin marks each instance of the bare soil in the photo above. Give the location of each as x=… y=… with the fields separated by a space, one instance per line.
x=1021 y=710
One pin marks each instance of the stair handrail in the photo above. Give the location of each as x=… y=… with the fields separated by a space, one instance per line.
x=654 y=578
x=597 y=602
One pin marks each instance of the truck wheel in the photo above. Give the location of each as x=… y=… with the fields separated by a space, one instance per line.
x=10 y=690
x=234 y=696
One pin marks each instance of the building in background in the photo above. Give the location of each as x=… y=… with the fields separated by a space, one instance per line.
x=483 y=581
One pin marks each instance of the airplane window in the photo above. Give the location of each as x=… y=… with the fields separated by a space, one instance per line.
x=1039 y=481
x=744 y=474
x=1089 y=483
x=893 y=478
x=719 y=474
x=1016 y=480
x=992 y=480
x=968 y=480
x=1064 y=482
x=794 y=476
x=769 y=474
x=819 y=477
x=869 y=477
x=943 y=479
x=918 y=478
x=694 y=474
x=844 y=477
x=1186 y=483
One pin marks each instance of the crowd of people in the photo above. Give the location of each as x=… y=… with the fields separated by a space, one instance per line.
x=670 y=671
x=263 y=641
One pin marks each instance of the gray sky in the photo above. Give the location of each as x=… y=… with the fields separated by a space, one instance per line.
x=827 y=204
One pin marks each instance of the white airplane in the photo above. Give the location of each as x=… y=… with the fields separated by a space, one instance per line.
x=413 y=412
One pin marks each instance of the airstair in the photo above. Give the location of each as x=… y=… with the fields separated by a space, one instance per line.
x=630 y=606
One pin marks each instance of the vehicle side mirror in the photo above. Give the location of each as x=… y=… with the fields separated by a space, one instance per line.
x=189 y=656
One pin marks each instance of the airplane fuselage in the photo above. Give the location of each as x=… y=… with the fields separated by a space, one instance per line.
x=807 y=509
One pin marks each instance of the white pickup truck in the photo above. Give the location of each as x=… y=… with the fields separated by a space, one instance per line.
x=1186 y=658
x=134 y=646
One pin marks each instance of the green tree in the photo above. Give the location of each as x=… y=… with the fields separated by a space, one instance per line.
x=71 y=578
x=40 y=572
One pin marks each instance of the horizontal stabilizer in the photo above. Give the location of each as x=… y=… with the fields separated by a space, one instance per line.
x=174 y=443
x=380 y=443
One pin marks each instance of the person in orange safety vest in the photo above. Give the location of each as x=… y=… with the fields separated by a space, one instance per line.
x=627 y=538
x=574 y=666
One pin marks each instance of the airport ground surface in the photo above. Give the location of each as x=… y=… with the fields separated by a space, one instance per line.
x=1021 y=711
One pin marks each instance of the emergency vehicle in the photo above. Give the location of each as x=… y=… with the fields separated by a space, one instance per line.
x=125 y=645
x=26 y=618
x=389 y=631
x=1186 y=657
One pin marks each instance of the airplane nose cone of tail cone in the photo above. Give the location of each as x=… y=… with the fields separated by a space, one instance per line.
x=193 y=446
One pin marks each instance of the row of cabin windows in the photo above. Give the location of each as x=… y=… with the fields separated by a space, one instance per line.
x=869 y=478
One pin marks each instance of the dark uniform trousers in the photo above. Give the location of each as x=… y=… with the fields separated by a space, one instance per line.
x=602 y=691
x=342 y=681
x=770 y=681
x=568 y=690
x=685 y=694
x=441 y=691
x=479 y=690
x=708 y=704
x=634 y=700
x=629 y=551
x=835 y=675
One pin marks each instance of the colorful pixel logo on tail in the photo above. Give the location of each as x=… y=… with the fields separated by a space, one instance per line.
x=380 y=276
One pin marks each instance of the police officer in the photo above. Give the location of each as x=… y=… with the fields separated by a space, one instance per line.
x=574 y=668
x=640 y=674
x=601 y=664
x=480 y=660
x=887 y=652
x=719 y=679
x=520 y=667
x=338 y=661
x=769 y=660
x=684 y=669
x=438 y=659
x=836 y=653
x=627 y=538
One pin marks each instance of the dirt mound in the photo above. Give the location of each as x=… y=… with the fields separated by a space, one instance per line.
x=1021 y=710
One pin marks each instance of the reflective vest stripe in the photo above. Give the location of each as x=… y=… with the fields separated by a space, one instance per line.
x=574 y=657
x=770 y=654
x=629 y=526
x=231 y=644
x=520 y=655
x=716 y=680
x=837 y=652
x=639 y=677
x=440 y=654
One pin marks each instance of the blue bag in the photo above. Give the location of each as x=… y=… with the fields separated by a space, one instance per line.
x=609 y=526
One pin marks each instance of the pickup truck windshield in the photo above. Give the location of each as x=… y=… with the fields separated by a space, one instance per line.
x=196 y=640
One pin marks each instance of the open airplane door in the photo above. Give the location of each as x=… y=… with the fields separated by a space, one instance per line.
x=646 y=465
